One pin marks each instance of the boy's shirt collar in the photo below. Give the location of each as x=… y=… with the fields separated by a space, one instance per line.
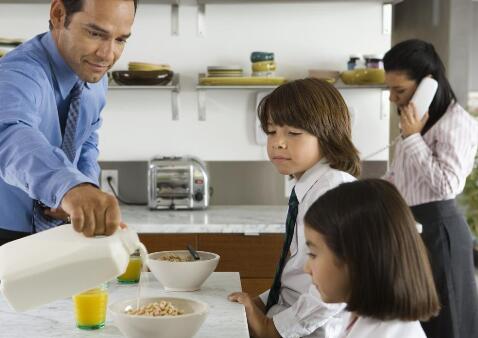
x=309 y=178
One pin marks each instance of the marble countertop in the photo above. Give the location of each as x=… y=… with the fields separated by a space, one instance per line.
x=225 y=319
x=247 y=219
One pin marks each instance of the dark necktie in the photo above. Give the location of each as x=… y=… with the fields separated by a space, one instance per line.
x=290 y=226
x=40 y=221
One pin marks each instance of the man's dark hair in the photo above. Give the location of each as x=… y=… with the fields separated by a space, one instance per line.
x=73 y=6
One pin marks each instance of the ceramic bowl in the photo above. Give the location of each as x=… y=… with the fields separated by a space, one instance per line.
x=142 y=78
x=182 y=326
x=182 y=276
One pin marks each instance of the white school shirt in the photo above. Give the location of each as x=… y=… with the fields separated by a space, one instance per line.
x=366 y=327
x=434 y=167
x=300 y=312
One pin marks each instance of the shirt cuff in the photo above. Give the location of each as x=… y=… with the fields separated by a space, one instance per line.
x=58 y=191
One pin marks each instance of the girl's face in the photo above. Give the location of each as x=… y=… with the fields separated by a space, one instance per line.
x=401 y=87
x=329 y=275
x=292 y=150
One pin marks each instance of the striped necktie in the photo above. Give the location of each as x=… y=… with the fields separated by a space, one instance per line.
x=290 y=226
x=40 y=221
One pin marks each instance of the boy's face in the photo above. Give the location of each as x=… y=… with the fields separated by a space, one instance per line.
x=95 y=37
x=292 y=150
x=329 y=275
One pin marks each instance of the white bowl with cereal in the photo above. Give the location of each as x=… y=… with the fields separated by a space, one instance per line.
x=178 y=271
x=159 y=317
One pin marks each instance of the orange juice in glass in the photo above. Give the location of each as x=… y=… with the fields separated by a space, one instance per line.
x=133 y=271
x=90 y=308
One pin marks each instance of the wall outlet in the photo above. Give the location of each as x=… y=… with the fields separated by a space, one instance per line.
x=114 y=181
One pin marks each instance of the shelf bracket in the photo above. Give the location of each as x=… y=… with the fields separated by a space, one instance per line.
x=202 y=104
x=201 y=20
x=385 y=105
x=175 y=19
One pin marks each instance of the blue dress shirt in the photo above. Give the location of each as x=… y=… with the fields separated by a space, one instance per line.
x=35 y=85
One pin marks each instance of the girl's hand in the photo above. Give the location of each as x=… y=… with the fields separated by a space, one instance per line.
x=260 y=325
x=409 y=121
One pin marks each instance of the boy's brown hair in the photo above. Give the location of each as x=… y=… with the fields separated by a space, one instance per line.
x=318 y=108
x=369 y=227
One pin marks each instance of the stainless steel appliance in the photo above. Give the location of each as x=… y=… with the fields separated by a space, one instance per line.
x=177 y=183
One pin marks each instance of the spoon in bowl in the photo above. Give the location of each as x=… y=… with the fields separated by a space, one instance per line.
x=193 y=253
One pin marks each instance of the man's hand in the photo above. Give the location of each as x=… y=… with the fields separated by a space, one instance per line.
x=409 y=121
x=260 y=325
x=92 y=211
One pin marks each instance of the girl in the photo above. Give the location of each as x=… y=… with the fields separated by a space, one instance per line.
x=432 y=160
x=365 y=250
x=308 y=137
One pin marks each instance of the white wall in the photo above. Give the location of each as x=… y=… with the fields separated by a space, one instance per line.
x=138 y=125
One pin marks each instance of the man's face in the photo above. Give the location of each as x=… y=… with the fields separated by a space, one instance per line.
x=95 y=37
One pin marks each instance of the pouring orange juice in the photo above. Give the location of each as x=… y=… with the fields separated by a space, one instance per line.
x=90 y=308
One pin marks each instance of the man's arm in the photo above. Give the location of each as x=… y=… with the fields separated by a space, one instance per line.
x=27 y=159
x=88 y=160
x=29 y=162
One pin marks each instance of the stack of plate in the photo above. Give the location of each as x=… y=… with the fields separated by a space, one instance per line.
x=224 y=71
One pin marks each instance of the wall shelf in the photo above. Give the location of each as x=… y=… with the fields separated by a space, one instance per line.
x=202 y=89
x=174 y=87
x=174 y=8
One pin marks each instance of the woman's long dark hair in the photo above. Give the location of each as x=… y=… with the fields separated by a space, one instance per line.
x=419 y=59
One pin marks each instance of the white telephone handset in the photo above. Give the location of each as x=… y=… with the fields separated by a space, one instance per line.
x=424 y=95
x=422 y=98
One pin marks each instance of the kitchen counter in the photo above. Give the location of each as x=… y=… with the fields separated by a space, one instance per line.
x=225 y=319
x=252 y=219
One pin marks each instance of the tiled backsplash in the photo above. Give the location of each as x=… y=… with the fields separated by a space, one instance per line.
x=234 y=183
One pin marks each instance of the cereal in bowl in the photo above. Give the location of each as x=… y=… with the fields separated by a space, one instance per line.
x=161 y=309
x=175 y=258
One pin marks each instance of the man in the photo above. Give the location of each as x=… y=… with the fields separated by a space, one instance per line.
x=52 y=89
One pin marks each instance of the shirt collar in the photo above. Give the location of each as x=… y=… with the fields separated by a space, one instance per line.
x=308 y=179
x=64 y=75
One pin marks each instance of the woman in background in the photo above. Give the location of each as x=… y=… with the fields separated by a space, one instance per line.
x=432 y=160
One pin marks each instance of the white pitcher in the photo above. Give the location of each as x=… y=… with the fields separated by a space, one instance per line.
x=61 y=262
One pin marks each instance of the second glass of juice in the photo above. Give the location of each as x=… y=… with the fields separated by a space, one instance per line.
x=133 y=271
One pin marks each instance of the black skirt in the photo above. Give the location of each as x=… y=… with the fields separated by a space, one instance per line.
x=450 y=247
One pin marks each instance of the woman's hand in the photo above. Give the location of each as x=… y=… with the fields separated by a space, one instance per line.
x=409 y=121
x=260 y=325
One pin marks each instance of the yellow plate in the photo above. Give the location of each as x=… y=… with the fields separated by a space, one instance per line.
x=242 y=81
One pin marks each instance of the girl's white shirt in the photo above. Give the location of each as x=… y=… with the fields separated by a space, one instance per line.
x=366 y=327
x=300 y=311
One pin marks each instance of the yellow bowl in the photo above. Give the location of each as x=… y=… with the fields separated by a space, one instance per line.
x=363 y=76
x=264 y=66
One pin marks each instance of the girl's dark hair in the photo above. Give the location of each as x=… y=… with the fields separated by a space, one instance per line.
x=73 y=6
x=369 y=227
x=317 y=107
x=419 y=59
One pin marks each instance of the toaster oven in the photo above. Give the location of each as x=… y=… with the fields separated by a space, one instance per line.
x=177 y=183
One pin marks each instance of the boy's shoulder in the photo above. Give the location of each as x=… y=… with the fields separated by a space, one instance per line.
x=327 y=180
